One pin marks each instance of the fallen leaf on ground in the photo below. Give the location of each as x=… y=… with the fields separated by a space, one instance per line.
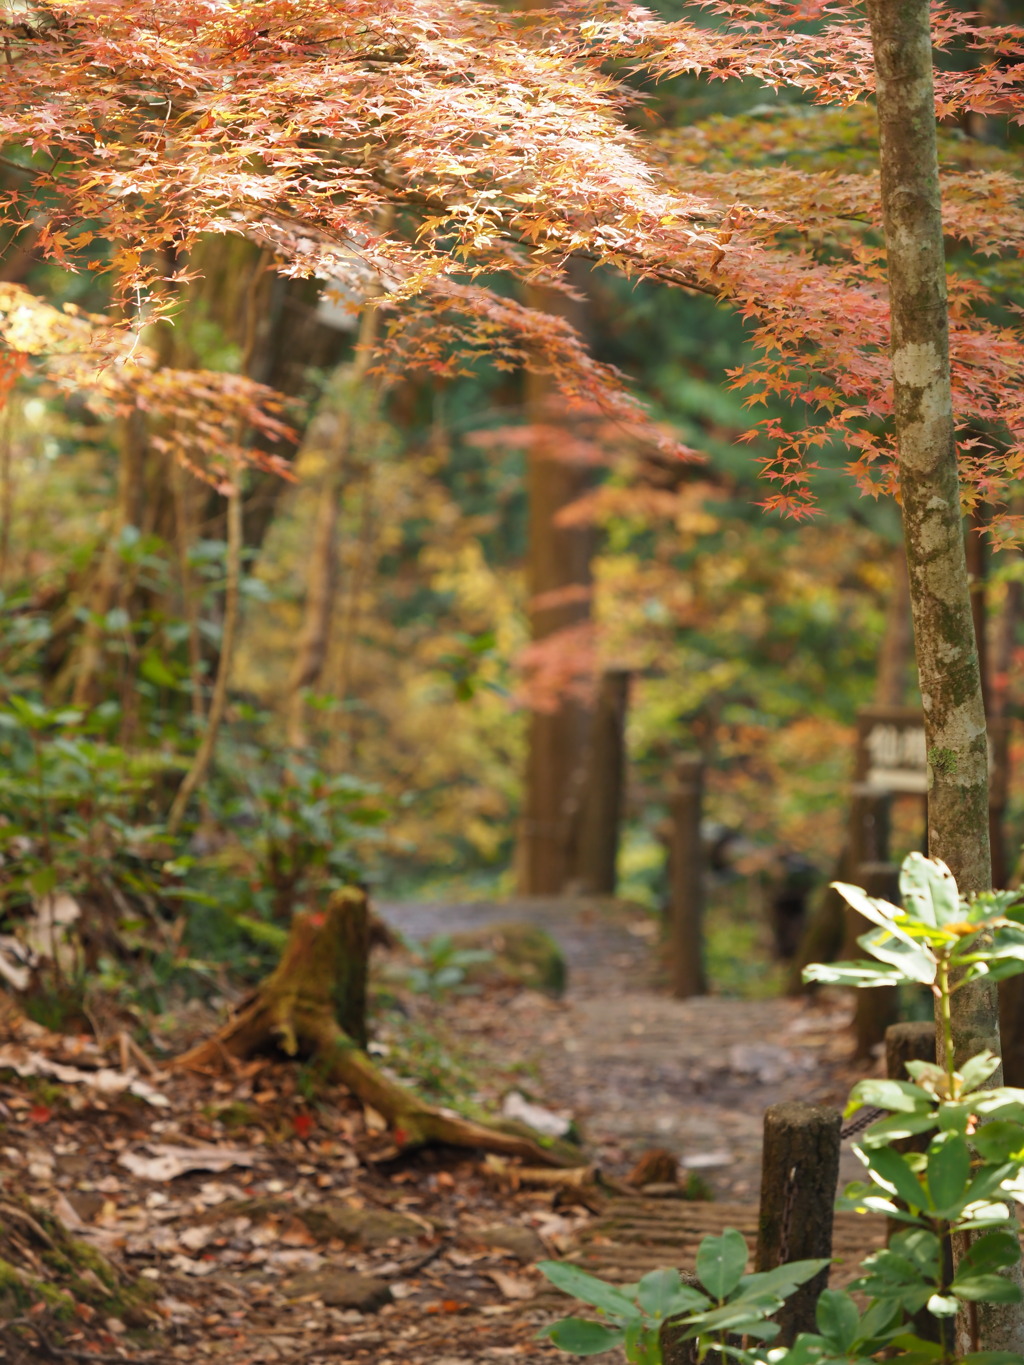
x=105 y=1079
x=167 y=1163
x=512 y=1286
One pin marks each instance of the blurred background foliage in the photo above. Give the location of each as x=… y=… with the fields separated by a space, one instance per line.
x=750 y=638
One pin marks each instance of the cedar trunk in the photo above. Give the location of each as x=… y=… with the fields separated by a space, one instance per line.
x=686 y=879
x=558 y=574
x=596 y=846
x=947 y=654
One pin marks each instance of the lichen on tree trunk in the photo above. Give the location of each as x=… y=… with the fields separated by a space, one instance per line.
x=947 y=655
x=314 y=1005
x=945 y=645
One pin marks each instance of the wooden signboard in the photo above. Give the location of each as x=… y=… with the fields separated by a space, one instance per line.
x=892 y=759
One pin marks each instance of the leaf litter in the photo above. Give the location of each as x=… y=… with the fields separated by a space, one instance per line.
x=269 y=1220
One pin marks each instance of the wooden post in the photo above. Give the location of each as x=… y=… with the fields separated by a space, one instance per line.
x=876 y=1009
x=908 y=1043
x=799 y=1174
x=686 y=878
x=597 y=841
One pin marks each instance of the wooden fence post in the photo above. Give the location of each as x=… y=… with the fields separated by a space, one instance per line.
x=602 y=800
x=908 y=1043
x=686 y=878
x=799 y=1174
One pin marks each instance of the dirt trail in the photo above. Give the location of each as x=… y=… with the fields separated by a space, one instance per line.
x=640 y=1069
x=275 y=1225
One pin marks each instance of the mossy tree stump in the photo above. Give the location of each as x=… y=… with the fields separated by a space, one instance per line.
x=314 y=1005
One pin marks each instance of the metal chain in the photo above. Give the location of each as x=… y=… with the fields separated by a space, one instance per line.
x=863 y=1118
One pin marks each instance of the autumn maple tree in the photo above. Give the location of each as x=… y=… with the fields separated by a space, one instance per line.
x=435 y=154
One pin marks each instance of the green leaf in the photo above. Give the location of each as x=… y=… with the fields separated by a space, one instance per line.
x=589 y=1289
x=738 y=1315
x=915 y=960
x=837 y=1319
x=876 y=1323
x=929 y=1075
x=900 y=1096
x=993 y=1251
x=42 y=881
x=854 y=974
x=1006 y=943
x=155 y=670
x=784 y=1278
x=949 y=1173
x=919 y=1245
x=1001 y=970
x=582 y=1338
x=988 y=1182
x=989 y=1288
x=955 y=1117
x=897 y=1126
x=892 y=1170
x=912 y=1347
x=642 y=1344
x=928 y=891
x=878 y=912
x=999 y=1140
x=687 y=1300
x=808 y=1349
x=655 y=1292
x=721 y=1262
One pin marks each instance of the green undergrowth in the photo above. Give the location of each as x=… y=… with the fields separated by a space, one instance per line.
x=66 y=1272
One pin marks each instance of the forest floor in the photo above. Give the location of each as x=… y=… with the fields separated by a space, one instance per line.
x=269 y=1221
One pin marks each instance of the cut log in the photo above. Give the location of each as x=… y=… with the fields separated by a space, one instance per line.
x=302 y=1009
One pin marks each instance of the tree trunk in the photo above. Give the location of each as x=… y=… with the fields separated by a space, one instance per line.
x=1011 y=993
x=686 y=879
x=311 y=653
x=86 y=662
x=596 y=846
x=558 y=583
x=219 y=700
x=1004 y=639
x=947 y=654
x=285 y=343
x=302 y=1009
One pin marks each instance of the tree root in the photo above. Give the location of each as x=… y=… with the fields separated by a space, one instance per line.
x=296 y=1011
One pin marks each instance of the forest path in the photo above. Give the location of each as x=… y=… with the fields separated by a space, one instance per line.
x=640 y=1069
